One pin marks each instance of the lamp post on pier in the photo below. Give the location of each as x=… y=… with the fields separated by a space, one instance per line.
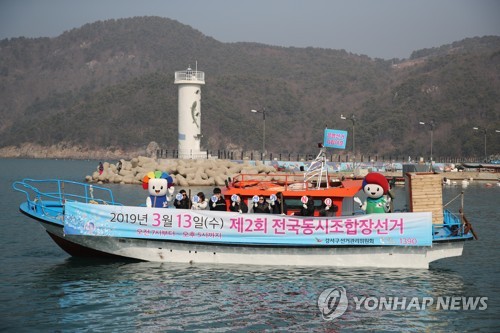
x=353 y=119
x=485 y=131
x=431 y=124
x=263 y=111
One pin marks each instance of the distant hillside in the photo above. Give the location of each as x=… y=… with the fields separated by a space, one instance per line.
x=110 y=84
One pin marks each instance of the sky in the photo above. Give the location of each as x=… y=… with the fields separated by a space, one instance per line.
x=377 y=28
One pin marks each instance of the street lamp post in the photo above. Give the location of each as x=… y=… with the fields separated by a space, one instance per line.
x=353 y=119
x=263 y=111
x=431 y=124
x=485 y=131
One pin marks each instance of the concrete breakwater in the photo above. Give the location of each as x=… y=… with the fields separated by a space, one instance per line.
x=184 y=172
x=214 y=172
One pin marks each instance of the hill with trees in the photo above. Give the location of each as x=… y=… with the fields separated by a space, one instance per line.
x=110 y=84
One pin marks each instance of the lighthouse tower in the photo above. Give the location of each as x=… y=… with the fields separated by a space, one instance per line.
x=190 y=82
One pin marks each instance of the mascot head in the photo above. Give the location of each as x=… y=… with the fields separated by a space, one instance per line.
x=157 y=183
x=375 y=185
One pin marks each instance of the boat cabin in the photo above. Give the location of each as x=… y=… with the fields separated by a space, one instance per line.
x=293 y=188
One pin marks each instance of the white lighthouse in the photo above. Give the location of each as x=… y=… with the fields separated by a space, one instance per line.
x=190 y=82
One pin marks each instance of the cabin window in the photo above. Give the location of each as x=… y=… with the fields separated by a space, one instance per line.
x=296 y=204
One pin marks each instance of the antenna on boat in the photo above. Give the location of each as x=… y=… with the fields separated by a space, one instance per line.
x=318 y=169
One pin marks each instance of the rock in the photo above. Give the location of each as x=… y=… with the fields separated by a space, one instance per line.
x=128 y=179
x=134 y=162
x=219 y=181
x=180 y=181
x=184 y=172
x=126 y=165
x=142 y=161
x=249 y=171
x=126 y=172
x=235 y=169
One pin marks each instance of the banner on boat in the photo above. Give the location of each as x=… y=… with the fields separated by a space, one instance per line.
x=395 y=229
x=335 y=138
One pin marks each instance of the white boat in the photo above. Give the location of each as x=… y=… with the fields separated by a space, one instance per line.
x=86 y=224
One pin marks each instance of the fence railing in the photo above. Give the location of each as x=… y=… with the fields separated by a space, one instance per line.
x=255 y=155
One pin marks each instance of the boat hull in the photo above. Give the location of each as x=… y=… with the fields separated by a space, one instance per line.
x=190 y=252
x=335 y=256
x=55 y=230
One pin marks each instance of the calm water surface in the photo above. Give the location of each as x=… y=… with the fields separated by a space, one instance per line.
x=44 y=290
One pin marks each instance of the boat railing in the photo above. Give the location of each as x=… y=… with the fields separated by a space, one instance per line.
x=318 y=170
x=287 y=181
x=57 y=192
x=452 y=227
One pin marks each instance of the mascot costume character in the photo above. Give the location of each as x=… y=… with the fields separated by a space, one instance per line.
x=159 y=184
x=376 y=188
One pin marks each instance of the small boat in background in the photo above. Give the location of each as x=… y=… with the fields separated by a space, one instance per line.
x=493 y=165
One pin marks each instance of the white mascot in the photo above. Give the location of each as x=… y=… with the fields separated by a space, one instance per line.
x=160 y=187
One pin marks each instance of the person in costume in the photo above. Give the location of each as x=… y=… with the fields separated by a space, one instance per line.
x=160 y=187
x=376 y=188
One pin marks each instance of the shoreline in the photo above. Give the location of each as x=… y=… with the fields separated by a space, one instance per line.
x=462 y=175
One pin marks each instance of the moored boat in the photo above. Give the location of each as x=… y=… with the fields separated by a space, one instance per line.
x=85 y=220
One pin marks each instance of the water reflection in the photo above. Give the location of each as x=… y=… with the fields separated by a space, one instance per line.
x=150 y=296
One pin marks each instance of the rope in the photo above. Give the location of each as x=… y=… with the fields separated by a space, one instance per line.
x=455 y=198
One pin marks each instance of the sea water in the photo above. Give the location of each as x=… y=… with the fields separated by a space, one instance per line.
x=43 y=289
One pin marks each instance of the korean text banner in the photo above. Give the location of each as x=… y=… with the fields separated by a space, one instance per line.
x=335 y=138
x=395 y=229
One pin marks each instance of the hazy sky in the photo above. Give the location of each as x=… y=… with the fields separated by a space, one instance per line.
x=377 y=28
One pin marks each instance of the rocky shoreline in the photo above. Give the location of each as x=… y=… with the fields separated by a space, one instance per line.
x=184 y=172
